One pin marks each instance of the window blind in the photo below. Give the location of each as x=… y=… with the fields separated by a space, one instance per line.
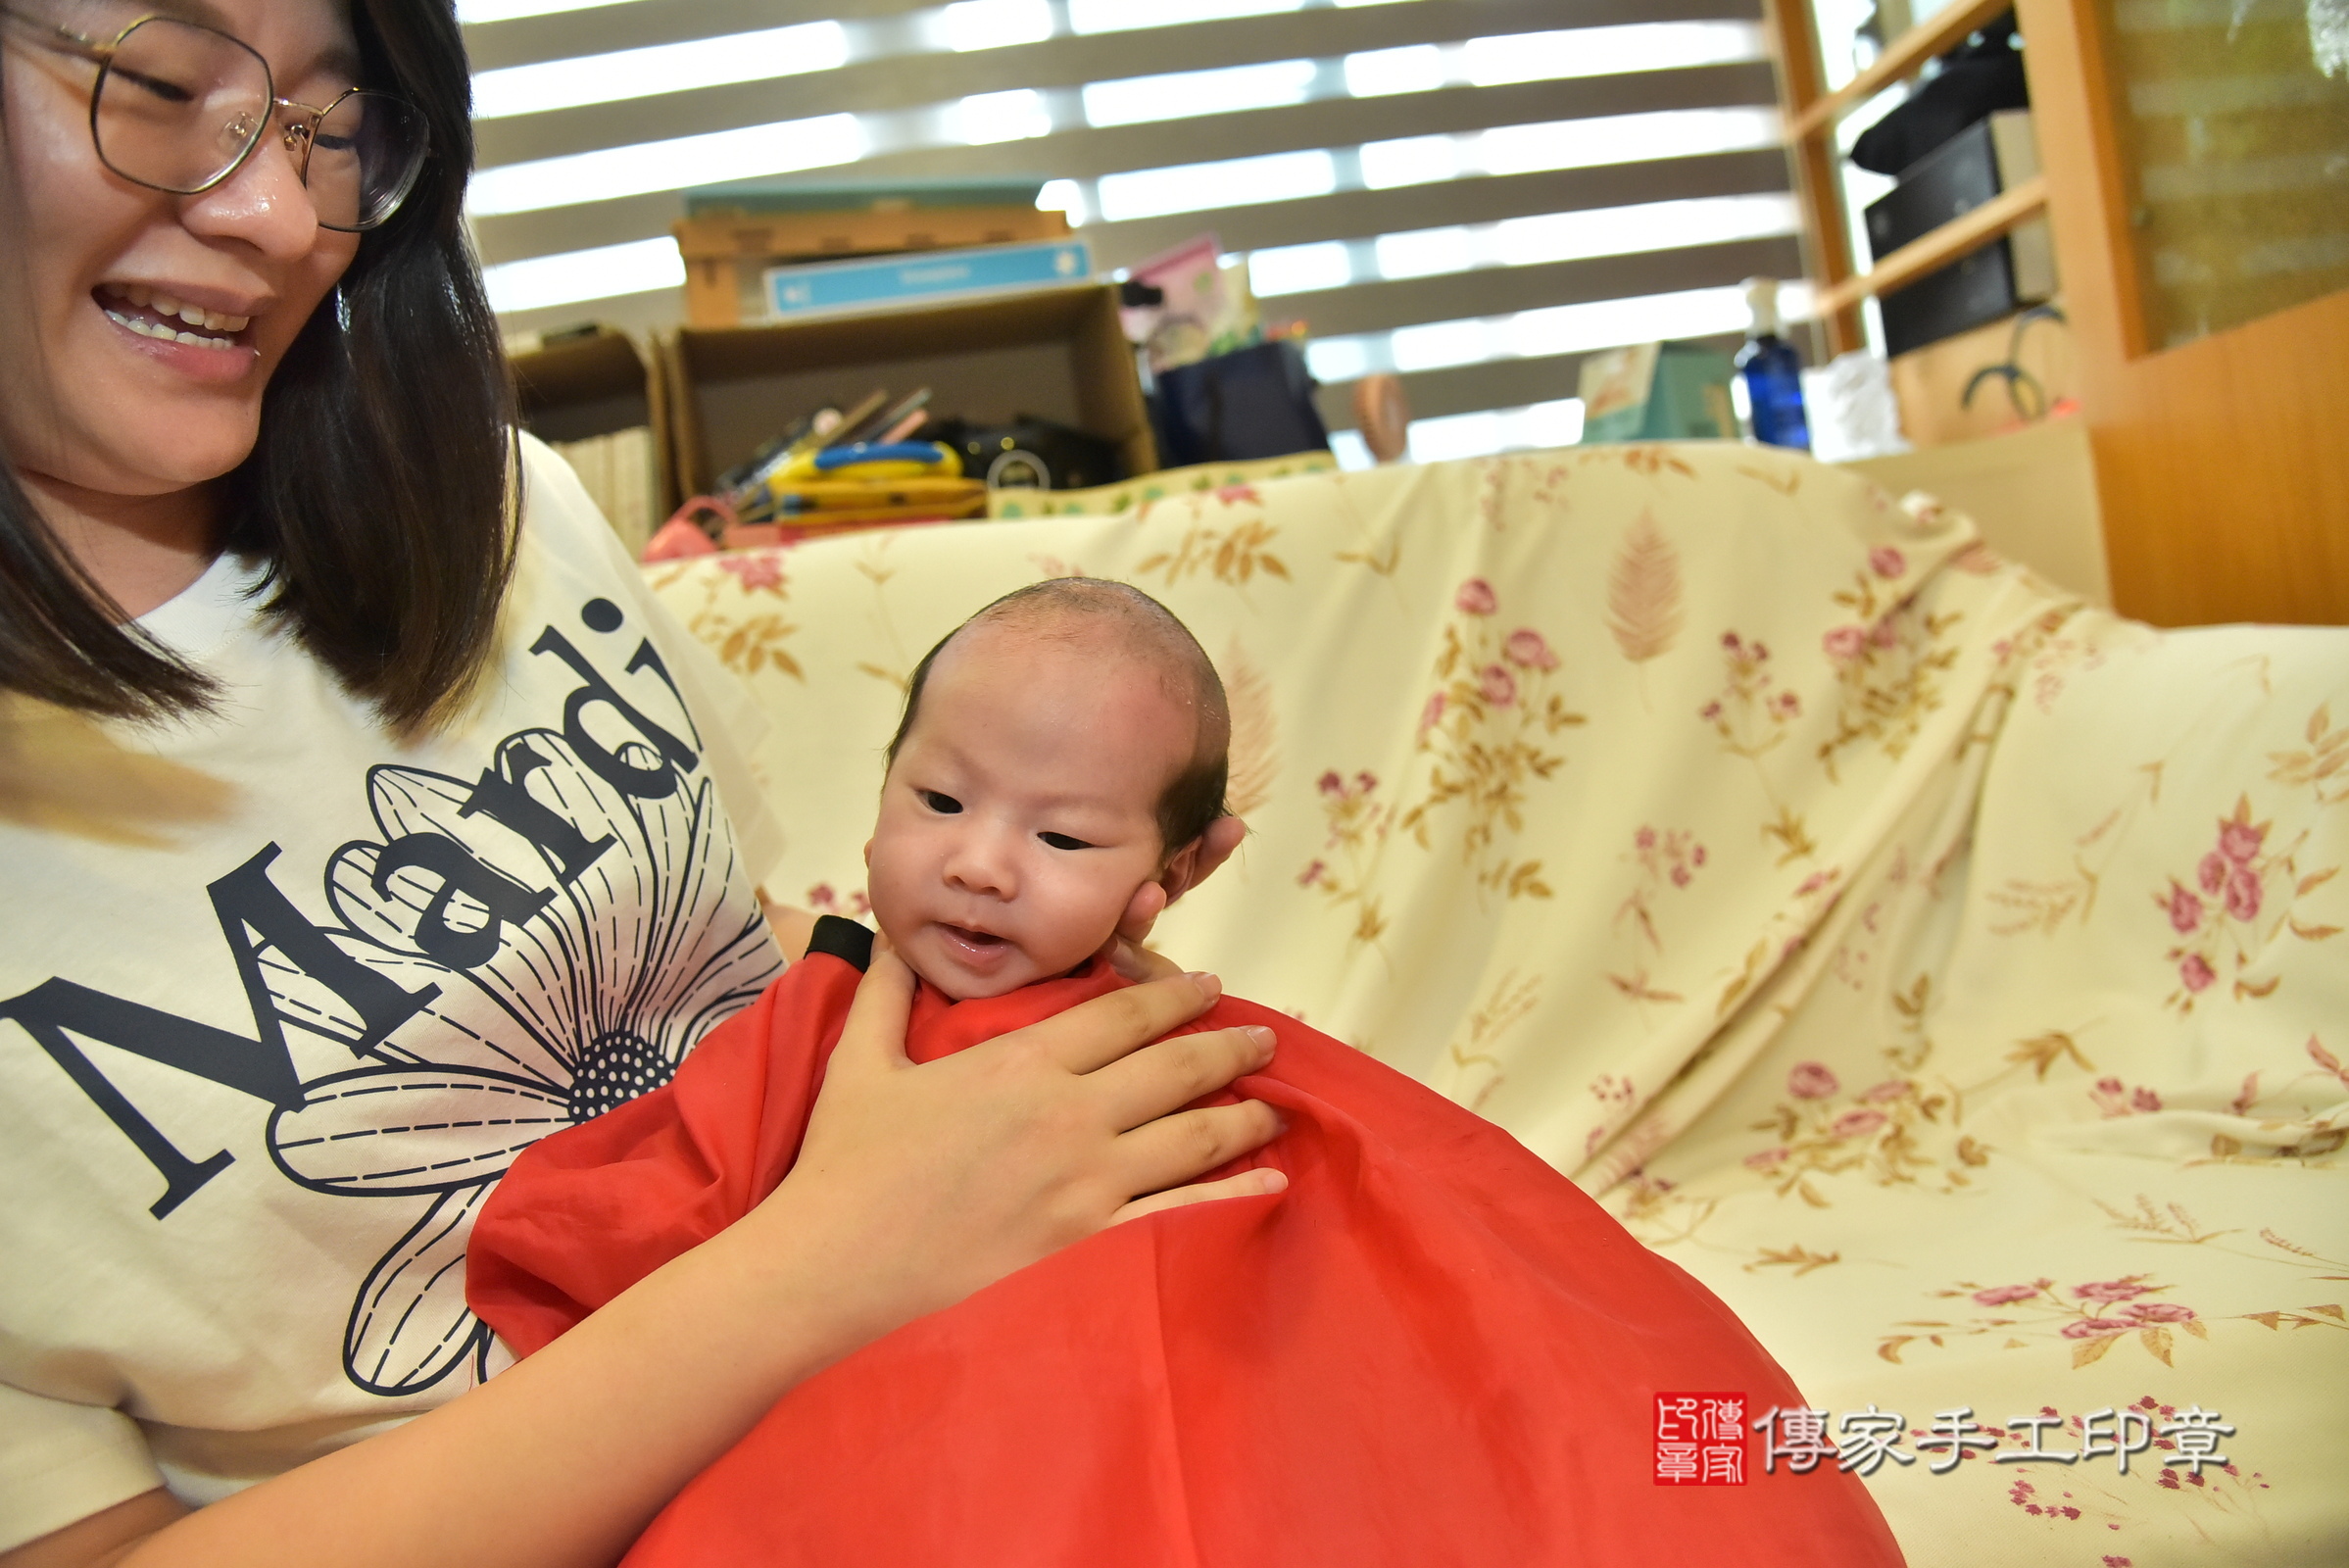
x=1470 y=193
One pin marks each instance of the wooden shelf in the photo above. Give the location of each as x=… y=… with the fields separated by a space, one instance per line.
x=1906 y=55
x=2008 y=210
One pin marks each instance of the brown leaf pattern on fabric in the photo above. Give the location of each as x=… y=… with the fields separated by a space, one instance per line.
x=746 y=639
x=1643 y=592
x=2323 y=766
x=1255 y=731
x=1475 y=1067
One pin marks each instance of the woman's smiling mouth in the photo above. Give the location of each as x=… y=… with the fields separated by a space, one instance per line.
x=155 y=313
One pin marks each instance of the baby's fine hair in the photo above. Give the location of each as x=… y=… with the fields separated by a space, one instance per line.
x=1068 y=606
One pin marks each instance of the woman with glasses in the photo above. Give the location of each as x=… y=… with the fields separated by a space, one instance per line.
x=362 y=819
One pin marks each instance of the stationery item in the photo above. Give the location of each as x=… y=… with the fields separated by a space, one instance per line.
x=969 y=505
x=806 y=436
x=812 y=499
x=1205 y=308
x=901 y=420
x=796 y=291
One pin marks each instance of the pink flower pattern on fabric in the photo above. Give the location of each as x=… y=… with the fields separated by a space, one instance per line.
x=2002 y=1294
x=2108 y=1290
x=1811 y=1080
x=2113 y=1098
x=2248 y=885
x=2158 y=1313
x=2243 y=891
x=2090 y=1327
x=1475 y=598
x=1530 y=650
x=754 y=569
x=1856 y=1122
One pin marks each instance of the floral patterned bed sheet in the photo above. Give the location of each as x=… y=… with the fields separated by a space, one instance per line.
x=1948 y=975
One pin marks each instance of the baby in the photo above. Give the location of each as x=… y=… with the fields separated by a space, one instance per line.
x=1430 y=1349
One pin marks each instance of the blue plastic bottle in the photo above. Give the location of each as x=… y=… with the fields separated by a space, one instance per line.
x=1772 y=372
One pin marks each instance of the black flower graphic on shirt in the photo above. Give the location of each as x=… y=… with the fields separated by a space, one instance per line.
x=568 y=969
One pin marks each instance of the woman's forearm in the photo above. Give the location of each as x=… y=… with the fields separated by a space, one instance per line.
x=560 y=1461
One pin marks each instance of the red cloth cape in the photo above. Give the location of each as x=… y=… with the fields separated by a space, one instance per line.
x=1432 y=1349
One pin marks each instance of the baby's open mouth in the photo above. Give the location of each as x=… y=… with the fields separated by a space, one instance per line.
x=977 y=939
x=152 y=312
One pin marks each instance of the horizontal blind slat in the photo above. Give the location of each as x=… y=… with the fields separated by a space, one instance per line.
x=897 y=86
x=1382 y=306
x=1351 y=214
x=532 y=39
x=1090 y=154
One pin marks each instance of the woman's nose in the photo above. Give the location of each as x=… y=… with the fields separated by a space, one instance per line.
x=264 y=203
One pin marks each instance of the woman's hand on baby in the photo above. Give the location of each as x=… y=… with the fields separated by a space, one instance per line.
x=922 y=1184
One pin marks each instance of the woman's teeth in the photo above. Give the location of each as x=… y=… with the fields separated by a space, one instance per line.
x=169 y=308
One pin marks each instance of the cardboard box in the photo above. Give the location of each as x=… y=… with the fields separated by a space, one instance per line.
x=727 y=253
x=592 y=397
x=1056 y=354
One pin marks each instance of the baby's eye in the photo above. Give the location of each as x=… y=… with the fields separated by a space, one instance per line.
x=1062 y=841
x=943 y=805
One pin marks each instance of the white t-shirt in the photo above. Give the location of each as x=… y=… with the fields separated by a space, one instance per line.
x=282 y=996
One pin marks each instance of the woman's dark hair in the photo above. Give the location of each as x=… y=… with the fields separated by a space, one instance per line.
x=381 y=492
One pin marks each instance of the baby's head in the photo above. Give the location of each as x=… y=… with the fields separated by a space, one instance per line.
x=1061 y=750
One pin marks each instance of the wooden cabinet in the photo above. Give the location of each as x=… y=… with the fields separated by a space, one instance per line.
x=2196 y=176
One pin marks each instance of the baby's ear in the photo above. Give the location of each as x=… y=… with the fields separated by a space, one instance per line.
x=1196 y=860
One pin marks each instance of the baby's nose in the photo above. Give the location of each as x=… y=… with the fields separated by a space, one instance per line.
x=982 y=863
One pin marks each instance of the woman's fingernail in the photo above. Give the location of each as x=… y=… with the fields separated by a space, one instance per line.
x=1263 y=1038
x=1210 y=985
